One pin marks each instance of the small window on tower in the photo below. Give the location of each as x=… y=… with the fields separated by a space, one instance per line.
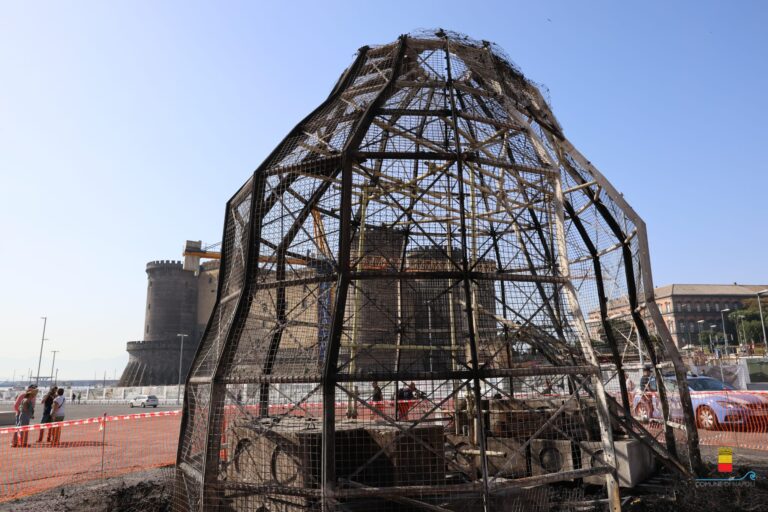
x=148 y=305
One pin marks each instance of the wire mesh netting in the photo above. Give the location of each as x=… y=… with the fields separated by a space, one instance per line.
x=429 y=300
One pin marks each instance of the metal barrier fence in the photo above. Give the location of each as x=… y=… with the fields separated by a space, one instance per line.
x=55 y=454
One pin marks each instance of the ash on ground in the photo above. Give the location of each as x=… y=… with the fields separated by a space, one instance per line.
x=724 y=497
x=150 y=491
x=144 y=491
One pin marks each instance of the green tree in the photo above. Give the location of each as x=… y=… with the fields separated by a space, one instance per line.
x=704 y=337
x=747 y=322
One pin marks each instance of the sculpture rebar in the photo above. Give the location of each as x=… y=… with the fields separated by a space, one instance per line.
x=413 y=306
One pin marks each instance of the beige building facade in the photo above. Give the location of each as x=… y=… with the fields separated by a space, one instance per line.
x=688 y=309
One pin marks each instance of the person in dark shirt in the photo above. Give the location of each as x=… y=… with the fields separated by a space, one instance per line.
x=377 y=395
x=405 y=393
x=47 y=406
x=409 y=392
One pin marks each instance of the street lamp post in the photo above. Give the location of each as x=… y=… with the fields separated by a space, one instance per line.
x=42 y=342
x=181 y=352
x=725 y=334
x=53 y=363
x=743 y=335
x=701 y=328
x=762 y=322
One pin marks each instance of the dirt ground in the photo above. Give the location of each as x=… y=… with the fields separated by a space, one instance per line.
x=698 y=499
x=145 y=491
x=722 y=498
x=150 y=491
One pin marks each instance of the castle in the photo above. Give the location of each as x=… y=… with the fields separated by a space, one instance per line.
x=179 y=301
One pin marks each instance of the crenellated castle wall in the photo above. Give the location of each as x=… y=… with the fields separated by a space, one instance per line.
x=178 y=302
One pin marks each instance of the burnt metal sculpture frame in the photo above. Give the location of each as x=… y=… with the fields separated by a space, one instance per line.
x=501 y=98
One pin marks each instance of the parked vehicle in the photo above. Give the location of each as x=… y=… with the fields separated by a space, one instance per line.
x=715 y=404
x=144 y=401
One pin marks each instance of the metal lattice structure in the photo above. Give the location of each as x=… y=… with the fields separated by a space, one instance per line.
x=428 y=300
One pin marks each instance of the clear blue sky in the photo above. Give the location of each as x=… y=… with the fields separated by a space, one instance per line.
x=125 y=127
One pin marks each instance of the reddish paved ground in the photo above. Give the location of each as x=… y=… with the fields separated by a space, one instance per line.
x=138 y=444
x=127 y=446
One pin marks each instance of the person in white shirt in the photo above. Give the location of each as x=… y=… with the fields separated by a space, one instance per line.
x=57 y=415
x=58 y=406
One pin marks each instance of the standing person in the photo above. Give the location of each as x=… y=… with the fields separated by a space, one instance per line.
x=415 y=391
x=79 y=394
x=16 y=407
x=377 y=395
x=57 y=415
x=405 y=392
x=645 y=388
x=405 y=396
x=630 y=390
x=26 y=413
x=73 y=396
x=47 y=406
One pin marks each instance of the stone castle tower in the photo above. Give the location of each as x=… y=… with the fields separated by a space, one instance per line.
x=179 y=301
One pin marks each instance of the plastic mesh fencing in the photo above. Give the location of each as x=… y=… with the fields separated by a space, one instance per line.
x=135 y=444
x=54 y=454
x=726 y=414
x=429 y=300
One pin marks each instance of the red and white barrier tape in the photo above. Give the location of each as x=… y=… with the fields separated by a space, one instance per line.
x=99 y=419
